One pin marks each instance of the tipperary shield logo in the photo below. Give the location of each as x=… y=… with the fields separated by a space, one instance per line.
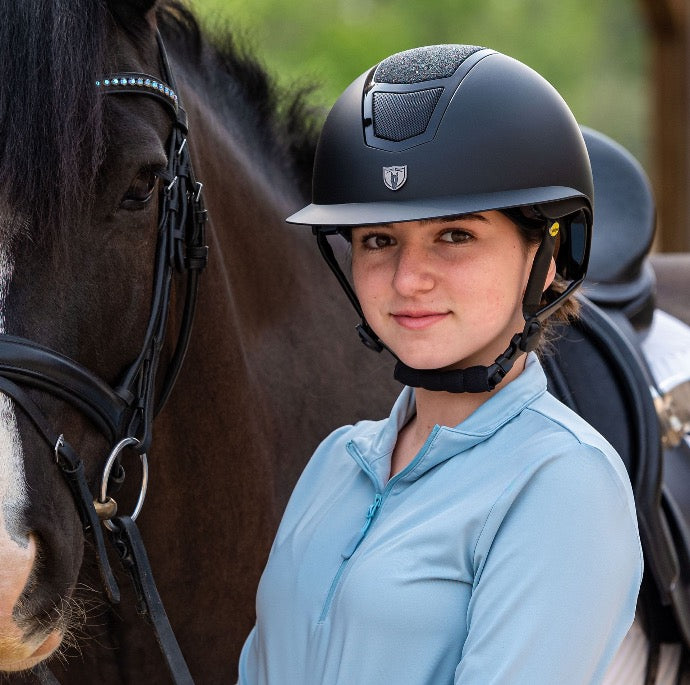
x=395 y=176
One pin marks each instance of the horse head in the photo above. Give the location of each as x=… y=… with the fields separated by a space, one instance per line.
x=80 y=181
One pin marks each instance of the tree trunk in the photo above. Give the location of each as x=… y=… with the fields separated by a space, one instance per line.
x=669 y=25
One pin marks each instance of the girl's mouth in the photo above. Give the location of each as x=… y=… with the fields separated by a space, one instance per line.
x=417 y=320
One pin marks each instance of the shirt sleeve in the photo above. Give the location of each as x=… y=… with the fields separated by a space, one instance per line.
x=557 y=571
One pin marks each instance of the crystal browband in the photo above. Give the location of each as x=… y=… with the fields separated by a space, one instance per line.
x=145 y=82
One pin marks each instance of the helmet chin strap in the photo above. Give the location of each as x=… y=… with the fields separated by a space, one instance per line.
x=473 y=378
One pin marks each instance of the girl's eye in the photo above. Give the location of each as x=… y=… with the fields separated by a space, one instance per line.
x=456 y=235
x=377 y=241
x=141 y=190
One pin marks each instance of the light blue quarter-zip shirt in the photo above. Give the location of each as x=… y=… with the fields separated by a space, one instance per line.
x=506 y=552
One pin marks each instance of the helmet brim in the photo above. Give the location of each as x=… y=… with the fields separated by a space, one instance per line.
x=369 y=213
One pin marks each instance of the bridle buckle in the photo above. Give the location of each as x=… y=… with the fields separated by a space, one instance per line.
x=104 y=503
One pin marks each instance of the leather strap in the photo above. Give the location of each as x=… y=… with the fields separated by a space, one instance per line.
x=26 y=362
x=130 y=548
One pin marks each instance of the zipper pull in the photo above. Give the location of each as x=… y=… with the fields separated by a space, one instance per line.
x=350 y=549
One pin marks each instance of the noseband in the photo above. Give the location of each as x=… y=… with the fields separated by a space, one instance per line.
x=124 y=414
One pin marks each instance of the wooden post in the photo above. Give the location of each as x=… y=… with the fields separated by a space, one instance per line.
x=669 y=24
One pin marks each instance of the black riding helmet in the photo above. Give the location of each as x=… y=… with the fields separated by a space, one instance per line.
x=446 y=130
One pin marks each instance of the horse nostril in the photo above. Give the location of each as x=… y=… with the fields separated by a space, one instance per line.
x=17 y=562
x=48 y=646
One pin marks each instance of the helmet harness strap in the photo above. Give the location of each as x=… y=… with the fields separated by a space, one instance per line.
x=474 y=378
x=364 y=330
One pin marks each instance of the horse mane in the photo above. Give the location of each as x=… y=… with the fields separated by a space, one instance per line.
x=50 y=152
x=236 y=84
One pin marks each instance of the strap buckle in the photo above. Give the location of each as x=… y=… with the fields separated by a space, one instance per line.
x=368 y=337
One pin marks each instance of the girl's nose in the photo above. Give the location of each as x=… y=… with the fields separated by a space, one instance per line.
x=414 y=271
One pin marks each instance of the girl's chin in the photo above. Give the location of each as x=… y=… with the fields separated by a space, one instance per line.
x=431 y=358
x=426 y=363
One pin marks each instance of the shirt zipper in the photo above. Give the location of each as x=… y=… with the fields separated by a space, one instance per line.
x=349 y=551
x=374 y=508
x=354 y=544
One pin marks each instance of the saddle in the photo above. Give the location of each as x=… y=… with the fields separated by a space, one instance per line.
x=598 y=366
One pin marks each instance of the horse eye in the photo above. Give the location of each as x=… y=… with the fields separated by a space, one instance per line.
x=141 y=190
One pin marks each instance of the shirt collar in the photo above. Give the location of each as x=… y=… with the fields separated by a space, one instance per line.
x=374 y=445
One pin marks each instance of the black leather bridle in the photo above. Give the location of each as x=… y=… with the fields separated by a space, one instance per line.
x=124 y=414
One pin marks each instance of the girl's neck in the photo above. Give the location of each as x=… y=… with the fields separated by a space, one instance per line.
x=442 y=408
x=451 y=409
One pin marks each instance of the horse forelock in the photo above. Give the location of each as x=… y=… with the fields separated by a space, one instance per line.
x=50 y=111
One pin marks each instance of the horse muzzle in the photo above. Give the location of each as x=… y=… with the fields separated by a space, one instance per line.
x=21 y=645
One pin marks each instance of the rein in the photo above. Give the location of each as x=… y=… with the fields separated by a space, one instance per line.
x=124 y=414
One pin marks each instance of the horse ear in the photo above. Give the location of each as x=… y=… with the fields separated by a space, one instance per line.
x=140 y=6
x=132 y=10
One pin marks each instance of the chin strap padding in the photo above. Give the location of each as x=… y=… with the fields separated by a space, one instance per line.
x=471 y=379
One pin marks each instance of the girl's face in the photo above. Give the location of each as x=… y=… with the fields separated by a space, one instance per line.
x=443 y=292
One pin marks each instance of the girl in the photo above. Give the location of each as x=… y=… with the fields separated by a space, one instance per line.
x=483 y=533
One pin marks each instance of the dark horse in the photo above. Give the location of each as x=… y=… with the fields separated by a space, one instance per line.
x=273 y=364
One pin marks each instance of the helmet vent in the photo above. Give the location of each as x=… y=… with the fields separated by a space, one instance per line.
x=423 y=64
x=399 y=116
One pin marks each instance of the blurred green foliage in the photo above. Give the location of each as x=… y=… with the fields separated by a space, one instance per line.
x=594 y=51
